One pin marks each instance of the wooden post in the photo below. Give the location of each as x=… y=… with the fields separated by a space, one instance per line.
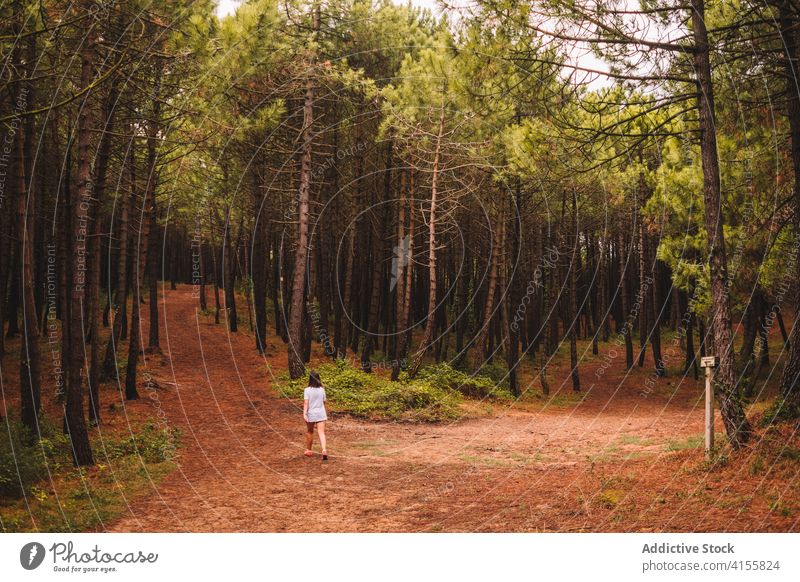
x=709 y=363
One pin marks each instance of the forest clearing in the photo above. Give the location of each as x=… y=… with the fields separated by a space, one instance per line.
x=612 y=461
x=508 y=256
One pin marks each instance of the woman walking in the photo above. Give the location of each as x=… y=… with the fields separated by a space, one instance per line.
x=314 y=414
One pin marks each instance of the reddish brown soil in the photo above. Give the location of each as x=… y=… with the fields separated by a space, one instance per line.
x=602 y=464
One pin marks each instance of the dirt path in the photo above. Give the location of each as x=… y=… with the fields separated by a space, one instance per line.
x=593 y=466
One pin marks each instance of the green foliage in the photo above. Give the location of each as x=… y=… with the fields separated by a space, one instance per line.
x=25 y=461
x=780 y=411
x=22 y=462
x=153 y=444
x=372 y=396
x=485 y=385
x=497 y=372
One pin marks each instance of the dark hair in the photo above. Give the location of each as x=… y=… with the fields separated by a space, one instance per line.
x=314 y=380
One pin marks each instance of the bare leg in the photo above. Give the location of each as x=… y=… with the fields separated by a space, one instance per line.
x=322 y=440
x=309 y=435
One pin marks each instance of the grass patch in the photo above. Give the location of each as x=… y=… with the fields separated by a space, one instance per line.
x=692 y=442
x=632 y=439
x=482 y=460
x=63 y=498
x=609 y=453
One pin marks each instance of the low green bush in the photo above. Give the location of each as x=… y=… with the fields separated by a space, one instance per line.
x=780 y=411
x=372 y=396
x=497 y=372
x=25 y=460
x=472 y=386
x=433 y=396
x=153 y=443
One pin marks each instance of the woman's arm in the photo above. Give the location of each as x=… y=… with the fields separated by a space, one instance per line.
x=305 y=409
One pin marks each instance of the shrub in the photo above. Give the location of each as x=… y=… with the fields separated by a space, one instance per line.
x=154 y=444
x=372 y=396
x=23 y=459
x=472 y=386
x=497 y=372
x=780 y=411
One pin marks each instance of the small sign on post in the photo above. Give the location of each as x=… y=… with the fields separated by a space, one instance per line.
x=709 y=363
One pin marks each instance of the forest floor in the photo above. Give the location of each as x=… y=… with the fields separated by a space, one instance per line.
x=616 y=457
x=613 y=460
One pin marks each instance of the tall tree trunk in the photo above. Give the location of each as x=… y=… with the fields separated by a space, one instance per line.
x=484 y=330
x=378 y=251
x=30 y=369
x=153 y=256
x=790 y=378
x=731 y=410
x=573 y=299
x=258 y=263
x=513 y=298
x=121 y=292
x=400 y=262
x=623 y=326
x=95 y=265
x=202 y=268
x=146 y=222
x=431 y=315
x=153 y=275
x=547 y=306
x=404 y=301
x=228 y=258
x=74 y=411
x=296 y=364
x=644 y=279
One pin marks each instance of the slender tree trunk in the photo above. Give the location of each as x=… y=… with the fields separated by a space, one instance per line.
x=228 y=258
x=404 y=301
x=153 y=256
x=790 y=378
x=74 y=411
x=202 y=268
x=121 y=292
x=400 y=262
x=258 y=263
x=623 y=326
x=95 y=265
x=573 y=300
x=488 y=305
x=30 y=367
x=731 y=410
x=431 y=315
x=548 y=295
x=296 y=364
x=644 y=279
x=153 y=259
x=146 y=222
x=513 y=298
x=378 y=252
